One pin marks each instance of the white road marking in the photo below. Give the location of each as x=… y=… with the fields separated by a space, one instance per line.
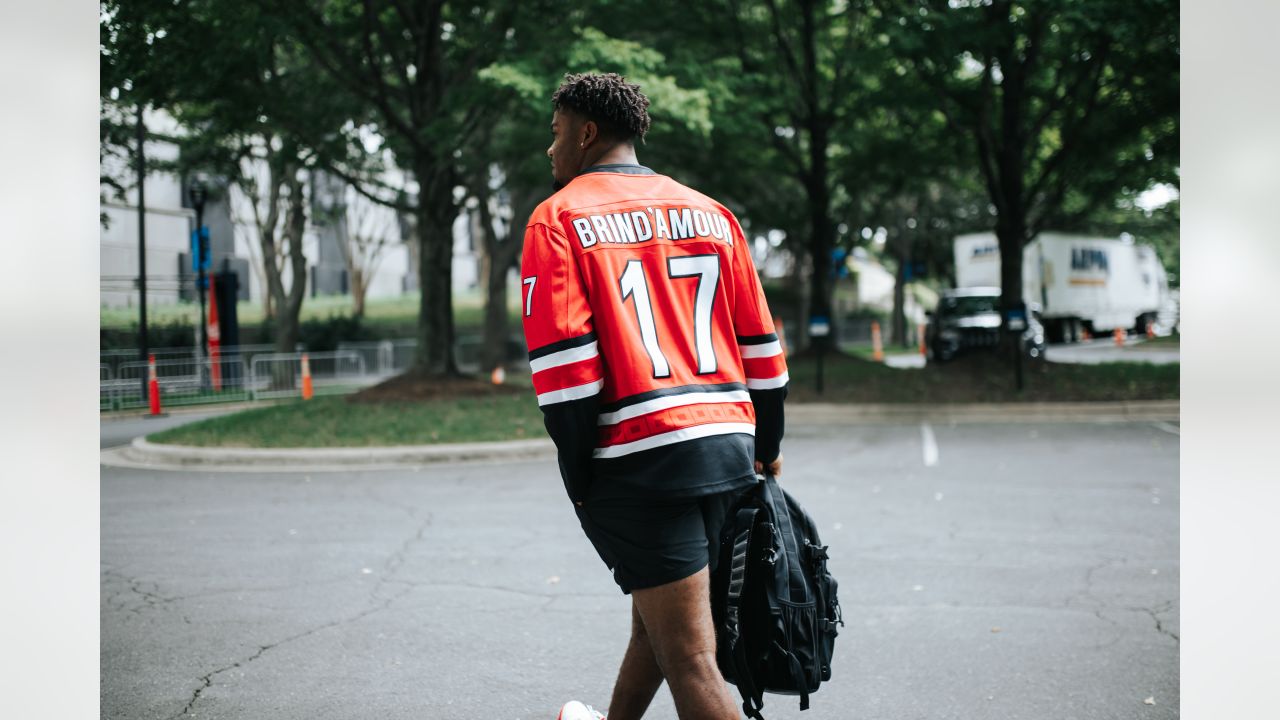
x=930 y=445
x=1171 y=429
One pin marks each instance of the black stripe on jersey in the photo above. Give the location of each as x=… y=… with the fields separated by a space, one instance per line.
x=757 y=339
x=666 y=392
x=569 y=344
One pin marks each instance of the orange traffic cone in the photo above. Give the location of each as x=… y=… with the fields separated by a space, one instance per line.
x=307 y=390
x=1119 y=337
x=920 y=339
x=1151 y=331
x=877 y=347
x=498 y=376
x=153 y=385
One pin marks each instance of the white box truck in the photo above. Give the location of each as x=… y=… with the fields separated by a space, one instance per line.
x=1079 y=282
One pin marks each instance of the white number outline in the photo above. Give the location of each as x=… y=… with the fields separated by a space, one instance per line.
x=634 y=283
x=700 y=266
x=528 y=301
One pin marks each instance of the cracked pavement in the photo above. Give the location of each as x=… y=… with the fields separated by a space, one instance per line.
x=1032 y=573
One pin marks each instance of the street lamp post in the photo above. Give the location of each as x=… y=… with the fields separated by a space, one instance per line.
x=197 y=193
x=143 y=350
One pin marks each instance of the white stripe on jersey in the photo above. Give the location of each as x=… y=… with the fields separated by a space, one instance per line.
x=670 y=401
x=576 y=392
x=564 y=357
x=768 y=349
x=767 y=383
x=674 y=436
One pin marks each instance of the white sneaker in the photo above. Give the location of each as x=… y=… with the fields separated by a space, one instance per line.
x=574 y=710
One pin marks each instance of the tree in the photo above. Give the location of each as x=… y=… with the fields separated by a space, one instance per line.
x=800 y=64
x=1065 y=103
x=256 y=114
x=271 y=184
x=907 y=178
x=515 y=169
x=416 y=67
x=365 y=231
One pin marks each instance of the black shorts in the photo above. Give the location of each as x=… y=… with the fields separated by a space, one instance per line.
x=647 y=544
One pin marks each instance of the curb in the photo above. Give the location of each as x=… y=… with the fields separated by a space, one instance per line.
x=142 y=453
x=979 y=413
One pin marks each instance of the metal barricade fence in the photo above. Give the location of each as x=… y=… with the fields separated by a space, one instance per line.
x=186 y=381
x=467 y=350
x=116 y=358
x=279 y=375
x=252 y=372
x=106 y=387
x=379 y=355
x=402 y=354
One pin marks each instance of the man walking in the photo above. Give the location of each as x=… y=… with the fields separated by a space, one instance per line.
x=660 y=378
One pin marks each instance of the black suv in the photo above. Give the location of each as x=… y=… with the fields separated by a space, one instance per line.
x=969 y=318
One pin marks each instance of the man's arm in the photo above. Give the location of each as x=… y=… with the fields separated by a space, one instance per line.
x=563 y=354
x=762 y=355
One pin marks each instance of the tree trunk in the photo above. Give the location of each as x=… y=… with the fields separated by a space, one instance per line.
x=1011 y=232
x=822 y=240
x=435 y=213
x=500 y=254
x=358 y=291
x=493 y=351
x=267 y=244
x=1011 y=225
x=496 y=325
x=283 y=325
x=898 y=320
x=821 y=243
x=268 y=302
x=290 y=305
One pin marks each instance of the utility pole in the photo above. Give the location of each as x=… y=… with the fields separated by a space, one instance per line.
x=143 y=349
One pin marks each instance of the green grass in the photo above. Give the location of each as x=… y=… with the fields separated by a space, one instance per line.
x=335 y=422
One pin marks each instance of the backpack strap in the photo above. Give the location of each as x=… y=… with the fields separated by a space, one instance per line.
x=752 y=699
x=797 y=672
x=817 y=557
x=794 y=589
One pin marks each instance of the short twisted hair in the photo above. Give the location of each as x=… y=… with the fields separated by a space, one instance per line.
x=613 y=103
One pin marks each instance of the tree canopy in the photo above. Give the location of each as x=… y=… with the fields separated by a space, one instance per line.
x=818 y=118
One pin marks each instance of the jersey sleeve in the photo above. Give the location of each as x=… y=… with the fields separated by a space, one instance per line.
x=563 y=354
x=763 y=360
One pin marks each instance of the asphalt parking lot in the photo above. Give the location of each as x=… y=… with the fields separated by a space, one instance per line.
x=987 y=571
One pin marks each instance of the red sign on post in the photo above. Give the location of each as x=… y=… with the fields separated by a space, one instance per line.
x=215 y=340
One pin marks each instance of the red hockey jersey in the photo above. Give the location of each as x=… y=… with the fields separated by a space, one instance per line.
x=640 y=296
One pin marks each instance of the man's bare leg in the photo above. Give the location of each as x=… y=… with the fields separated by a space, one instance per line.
x=676 y=617
x=638 y=678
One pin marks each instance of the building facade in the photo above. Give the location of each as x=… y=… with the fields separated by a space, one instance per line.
x=234 y=244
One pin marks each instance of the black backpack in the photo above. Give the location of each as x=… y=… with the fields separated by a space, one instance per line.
x=773 y=601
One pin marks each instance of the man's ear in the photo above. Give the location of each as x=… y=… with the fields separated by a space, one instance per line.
x=590 y=133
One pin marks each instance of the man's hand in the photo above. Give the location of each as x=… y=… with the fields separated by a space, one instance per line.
x=774 y=468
